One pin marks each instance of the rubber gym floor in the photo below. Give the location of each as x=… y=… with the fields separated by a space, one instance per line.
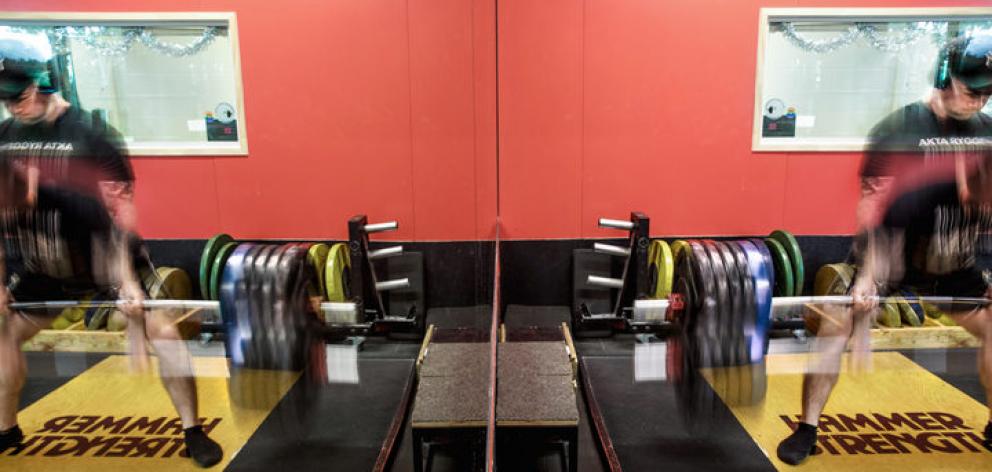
x=344 y=425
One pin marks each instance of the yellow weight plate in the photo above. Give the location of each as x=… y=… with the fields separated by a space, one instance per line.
x=833 y=279
x=906 y=312
x=678 y=246
x=173 y=284
x=336 y=273
x=317 y=256
x=664 y=264
x=888 y=315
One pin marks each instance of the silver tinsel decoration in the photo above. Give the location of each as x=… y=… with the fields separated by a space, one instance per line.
x=892 y=42
x=116 y=42
x=870 y=32
x=99 y=43
x=151 y=42
x=819 y=46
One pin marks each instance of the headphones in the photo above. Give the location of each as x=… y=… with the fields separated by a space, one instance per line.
x=942 y=74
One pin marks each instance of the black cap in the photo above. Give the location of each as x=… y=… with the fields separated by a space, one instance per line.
x=22 y=63
x=973 y=63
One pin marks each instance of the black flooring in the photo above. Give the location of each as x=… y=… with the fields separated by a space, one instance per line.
x=342 y=427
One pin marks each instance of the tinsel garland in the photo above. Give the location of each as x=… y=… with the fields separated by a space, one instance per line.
x=97 y=39
x=870 y=32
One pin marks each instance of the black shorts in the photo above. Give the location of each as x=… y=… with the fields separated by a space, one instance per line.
x=968 y=283
x=27 y=286
x=962 y=283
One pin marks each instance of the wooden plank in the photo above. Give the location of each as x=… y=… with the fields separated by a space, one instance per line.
x=423 y=347
x=944 y=337
x=75 y=338
x=572 y=353
x=936 y=337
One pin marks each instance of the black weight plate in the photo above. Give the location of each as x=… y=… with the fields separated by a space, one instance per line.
x=718 y=336
x=704 y=326
x=288 y=353
x=721 y=375
x=270 y=293
x=735 y=312
x=734 y=322
x=256 y=281
x=749 y=308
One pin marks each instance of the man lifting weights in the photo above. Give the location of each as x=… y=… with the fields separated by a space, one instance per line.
x=926 y=200
x=68 y=224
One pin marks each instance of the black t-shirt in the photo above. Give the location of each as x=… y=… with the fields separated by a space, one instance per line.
x=60 y=237
x=913 y=132
x=940 y=234
x=72 y=151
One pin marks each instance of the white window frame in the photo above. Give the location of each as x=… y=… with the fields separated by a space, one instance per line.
x=769 y=15
x=225 y=19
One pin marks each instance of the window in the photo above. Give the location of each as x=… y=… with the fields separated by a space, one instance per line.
x=169 y=83
x=826 y=76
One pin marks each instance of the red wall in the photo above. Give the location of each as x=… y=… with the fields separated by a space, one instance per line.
x=608 y=106
x=383 y=107
x=388 y=107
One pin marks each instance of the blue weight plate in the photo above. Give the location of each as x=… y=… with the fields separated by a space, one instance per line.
x=745 y=326
x=230 y=296
x=761 y=269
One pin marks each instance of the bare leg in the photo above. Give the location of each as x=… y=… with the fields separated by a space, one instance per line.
x=15 y=329
x=175 y=365
x=824 y=369
x=978 y=324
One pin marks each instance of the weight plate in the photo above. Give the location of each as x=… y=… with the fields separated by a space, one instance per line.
x=734 y=318
x=833 y=279
x=888 y=315
x=730 y=312
x=255 y=279
x=207 y=259
x=783 y=269
x=678 y=246
x=757 y=333
x=234 y=302
x=749 y=304
x=915 y=306
x=762 y=248
x=218 y=267
x=707 y=318
x=173 y=284
x=791 y=246
x=336 y=273
x=906 y=312
x=317 y=256
x=665 y=265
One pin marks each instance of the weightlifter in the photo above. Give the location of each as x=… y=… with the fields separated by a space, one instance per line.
x=68 y=190
x=923 y=230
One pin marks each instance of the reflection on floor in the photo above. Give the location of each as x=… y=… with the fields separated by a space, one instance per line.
x=646 y=427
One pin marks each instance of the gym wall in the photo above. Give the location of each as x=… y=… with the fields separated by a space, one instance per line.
x=380 y=107
x=611 y=106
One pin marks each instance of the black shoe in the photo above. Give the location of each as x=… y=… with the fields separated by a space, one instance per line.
x=988 y=436
x=797 y=447
x=204 y=451
x=11 y=438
